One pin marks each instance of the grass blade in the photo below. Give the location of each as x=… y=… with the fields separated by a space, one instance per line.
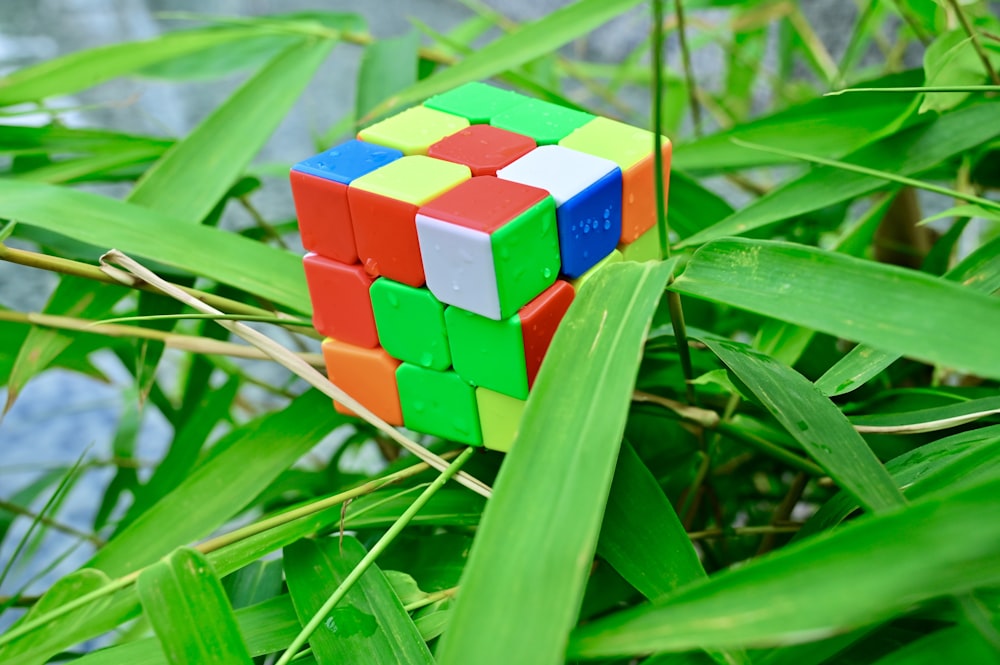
x=205 y=251
x=928 y=420
x=918 y=315
x=571 y=430
x=369 y=625
x=189 y=612
x=900 y=558
x=815 y=422
x=194 y=174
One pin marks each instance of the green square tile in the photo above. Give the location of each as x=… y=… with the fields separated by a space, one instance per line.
x=644 y=248
x=526 y=255
x=476 y=102
x=416 y=179
x=410 y=324
x=623 y=144
x=500 y=416
x=488 y=353
x=414 y=130
x=438 y=403
x=545 y=122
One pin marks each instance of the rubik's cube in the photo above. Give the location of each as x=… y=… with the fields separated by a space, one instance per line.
x=447 y=242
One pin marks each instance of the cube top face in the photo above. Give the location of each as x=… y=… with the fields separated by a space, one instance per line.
x=414 y=130
x=410 y=324
x=623 y=144
x=544 y=122
x=348 y=161
x=483 y=204
x=562 y=172
x=483 y=148
x=413 y=179
x=476 y=102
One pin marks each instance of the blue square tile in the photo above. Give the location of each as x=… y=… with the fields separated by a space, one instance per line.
x=348 y=161
x=590 y=224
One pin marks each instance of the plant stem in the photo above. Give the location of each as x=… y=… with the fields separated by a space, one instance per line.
x=190 y=343
x=741 y=531
x=87 y=271
x=431 y=598
x=15 y=509
x=692 y=84
x=976 y=44
x=372 y=554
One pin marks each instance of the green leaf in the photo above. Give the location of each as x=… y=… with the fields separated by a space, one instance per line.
x=189 y=612
x=369 y=625
x=950 y=60
x=194 y=174
x=693 y=207
x=530 y=41
x=928 y=420
x=809 y=590
x=827 y=126
x=906 y=153
x=979 y=271
x=387 y=66
x=959 y=644
x=551 y=491
x=271 y=273
x=918 y=315
x=37 y=647
x=213 y=493
x=255 y=583
x=72 y=297
x=84 y=69
x=814 y=421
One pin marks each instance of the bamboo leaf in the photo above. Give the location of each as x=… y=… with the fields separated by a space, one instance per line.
x=213 y=493
x=927 y=420
x=84 y=69
x=530 y=41
x=906 y=153
x=195 y=173
x=189 y=612
x=815 y=422
x=270 y=273
x=369 y=625
x=918 y=315
x=900 y=558
x=387 y=66
x=980 y=271
x=573 y=423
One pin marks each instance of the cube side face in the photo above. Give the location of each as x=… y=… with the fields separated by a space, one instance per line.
x=324 y=216
x=639 y=195
x=342 y=306
x=414 y=130
x=539 y=320
x=438 y=403
x=483 y=148
x=410 y=324
x=386 y=237
x=367 y=375
x=590 y=225
x=500 y=417
x=476 y=102
x=544 y=122
x=458 y=264
x=526 y=256
x=488 y=353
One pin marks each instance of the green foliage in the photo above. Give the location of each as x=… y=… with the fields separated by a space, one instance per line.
x=777 y=446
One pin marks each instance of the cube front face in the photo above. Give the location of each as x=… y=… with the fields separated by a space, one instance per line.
x=442 y=244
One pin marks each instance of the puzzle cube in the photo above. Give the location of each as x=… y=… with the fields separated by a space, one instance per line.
x=367 y=375
x=588 y=195
x=482 y=148
x=446 y=244
x=489 y=245
x=545 y=122
x=439 y=403
x=410 y=324
x=632 y=150
x=342 y=306
x=384 y=207
x=319 y=188
x=476 y=102
x=505 y=355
